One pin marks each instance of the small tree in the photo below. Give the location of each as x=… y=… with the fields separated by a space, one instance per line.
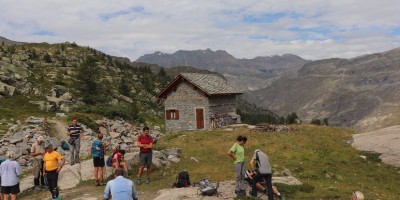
x=325 y=121
x=47 y=58
x=291 y=118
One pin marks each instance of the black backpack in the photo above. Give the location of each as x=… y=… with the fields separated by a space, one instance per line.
x=182 y=180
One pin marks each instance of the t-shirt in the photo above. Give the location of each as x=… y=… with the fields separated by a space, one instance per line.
x=77 y=128
x=264 y=166
x=238 y=151
x=145 y=140
x=51 y=160
x=36 y=148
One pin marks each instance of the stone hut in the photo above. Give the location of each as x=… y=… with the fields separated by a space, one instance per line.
x=196 y=101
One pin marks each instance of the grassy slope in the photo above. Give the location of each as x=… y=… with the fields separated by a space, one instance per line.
x=18 y=108
x=317 y=156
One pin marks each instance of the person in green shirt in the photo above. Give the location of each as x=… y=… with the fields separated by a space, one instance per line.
x=236 y=152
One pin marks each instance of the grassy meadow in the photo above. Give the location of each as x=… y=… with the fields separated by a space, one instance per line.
x=320 y=157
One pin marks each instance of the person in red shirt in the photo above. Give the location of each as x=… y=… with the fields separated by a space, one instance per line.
x=145 y=142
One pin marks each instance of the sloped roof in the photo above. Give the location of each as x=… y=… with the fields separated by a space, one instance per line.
x=211 y=84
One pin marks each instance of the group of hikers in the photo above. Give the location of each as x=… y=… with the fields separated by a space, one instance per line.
x=259 y=177
x=47 y=164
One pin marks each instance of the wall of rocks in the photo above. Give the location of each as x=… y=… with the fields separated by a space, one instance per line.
x=117 y=133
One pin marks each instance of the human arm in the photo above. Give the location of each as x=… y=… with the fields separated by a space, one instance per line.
x=107 y=192
x=44 y=168
x=18 y=170
x=62 y=163
x=231 y=151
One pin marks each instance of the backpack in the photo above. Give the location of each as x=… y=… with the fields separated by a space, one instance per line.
x=2 y=159
x=206 y=188
x=64 y=145
x=109 y=161
x=182 y=180
x=97 y=149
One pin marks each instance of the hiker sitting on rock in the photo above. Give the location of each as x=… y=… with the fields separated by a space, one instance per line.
x=248 y=177
x=260 y=163
x=119 y=161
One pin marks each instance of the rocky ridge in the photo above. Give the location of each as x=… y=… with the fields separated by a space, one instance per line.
x=361 y=93
x=246 y=74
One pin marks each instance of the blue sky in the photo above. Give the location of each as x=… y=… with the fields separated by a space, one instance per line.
x=312 y=29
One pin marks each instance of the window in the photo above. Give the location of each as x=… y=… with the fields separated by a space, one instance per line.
x=172 y=114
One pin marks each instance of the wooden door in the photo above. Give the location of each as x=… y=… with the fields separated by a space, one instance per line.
x=200 y=118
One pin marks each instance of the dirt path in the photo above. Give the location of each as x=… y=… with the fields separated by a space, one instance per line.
x=385 y=141
x=60 y=128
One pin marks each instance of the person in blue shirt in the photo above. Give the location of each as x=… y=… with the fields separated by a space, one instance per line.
x=120 y=188
x=9 y=173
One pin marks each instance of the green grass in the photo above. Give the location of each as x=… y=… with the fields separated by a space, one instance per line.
x=18 y=108
x=318 y=156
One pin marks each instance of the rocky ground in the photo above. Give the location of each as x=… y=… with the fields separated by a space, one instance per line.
x=385 y=141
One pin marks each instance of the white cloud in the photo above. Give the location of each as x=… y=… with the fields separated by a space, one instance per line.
x=311 y=29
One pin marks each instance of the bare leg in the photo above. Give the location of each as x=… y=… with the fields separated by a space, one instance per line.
x=96 y=172
x=140 y=171
x=13 y=197
x=148 y=170
x=101 y=174
x=6 y=196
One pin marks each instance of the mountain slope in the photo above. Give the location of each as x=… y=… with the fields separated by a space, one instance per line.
x=362 y=92
x=247 y=74
x=66 y=77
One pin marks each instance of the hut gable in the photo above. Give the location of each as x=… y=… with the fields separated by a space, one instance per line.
x=192 y=101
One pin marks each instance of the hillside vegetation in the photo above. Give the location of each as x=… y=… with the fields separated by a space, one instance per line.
x=320 y=157
x=69 y=78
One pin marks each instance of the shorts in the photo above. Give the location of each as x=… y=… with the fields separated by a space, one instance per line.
x=98 y=162
x=146 y=159
x=10 y=189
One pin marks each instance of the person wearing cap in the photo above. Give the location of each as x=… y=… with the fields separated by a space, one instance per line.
x=75 y=132
x=37 y=152
x=10 y=170
x=236 y=152
x=260 y=163
x=52 y=168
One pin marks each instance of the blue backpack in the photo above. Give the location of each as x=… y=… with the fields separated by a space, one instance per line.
x=97 y=149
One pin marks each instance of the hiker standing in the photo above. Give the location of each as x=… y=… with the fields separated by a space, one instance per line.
x=145 y=142
x=236 y=152
x=75 y=133
x=120 y=187
x=260 y=163
x=37 y=151
x=51 y=169
x=9 y=172
x=98 y=149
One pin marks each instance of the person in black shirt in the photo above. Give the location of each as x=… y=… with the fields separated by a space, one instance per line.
x=75 y=132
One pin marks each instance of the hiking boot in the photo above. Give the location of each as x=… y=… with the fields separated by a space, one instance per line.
x=147 y=180
x=281 y=197
x=240 y=192
x=138 y=181
x=97 y=183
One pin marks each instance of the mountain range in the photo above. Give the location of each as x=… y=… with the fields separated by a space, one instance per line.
x=246 y=74
x=361 y=93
